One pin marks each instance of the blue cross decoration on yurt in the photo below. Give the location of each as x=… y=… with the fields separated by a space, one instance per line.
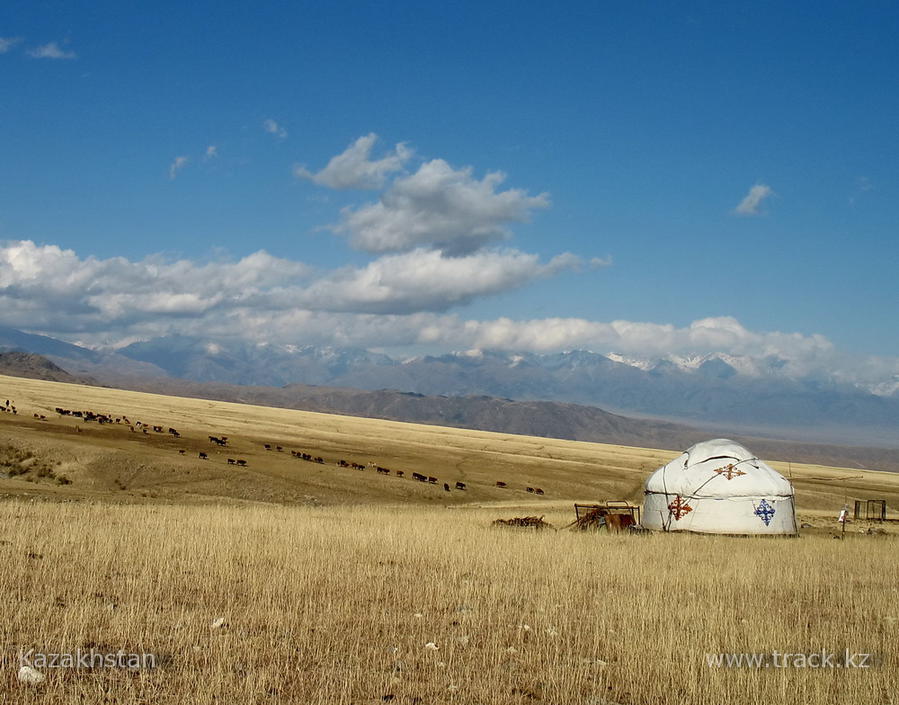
x=765 y=512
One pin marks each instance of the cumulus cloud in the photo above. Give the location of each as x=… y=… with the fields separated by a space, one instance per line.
x=644 y=339
x=273 y=128
x=51 y=50
x=177 y=165
x=57 y=286
x=7 y=43
x=441 y=208
x=354 y=169
x=752 y=201
x=212 y=152
x=424 y=280
x=61 y=289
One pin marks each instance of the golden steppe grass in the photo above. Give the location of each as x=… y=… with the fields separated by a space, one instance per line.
x=112 y=463
x=332 y=581
x=336 y=605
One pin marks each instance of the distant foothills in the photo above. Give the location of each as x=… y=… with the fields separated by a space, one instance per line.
x=715 y=392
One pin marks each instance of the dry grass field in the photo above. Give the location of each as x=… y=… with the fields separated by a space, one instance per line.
x=296 y=582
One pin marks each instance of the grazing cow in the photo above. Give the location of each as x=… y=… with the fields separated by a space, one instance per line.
x=182 y=452
x=264 y=445
x=399 y=473
x=419 y=477
x=432 y=480
x=530 y=489
x=231 y=461
x=382 y=471
x=460 y=485
x=342 y=463
x=446 y=487
x=319 y=460
x=500 y=484
x=242 y=463
x=143 y=429
x=538 y=491
x=279 y=448
x=203 y=456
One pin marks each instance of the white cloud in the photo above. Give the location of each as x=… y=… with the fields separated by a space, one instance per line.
x=353 y=168
x=51 y=50
x=720 y=334
x=65 y=291
x=425 y=280
x=212 y=152
x=57 y=285
x=752 y=201
x=439 y=207
x=273 y=128
x=395 y=301
x=601 y=262
x=177 y=165
x=7 y=43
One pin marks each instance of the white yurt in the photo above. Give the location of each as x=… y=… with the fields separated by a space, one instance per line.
x=719 y=487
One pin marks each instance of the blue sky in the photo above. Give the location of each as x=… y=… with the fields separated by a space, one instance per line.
x=645 y=125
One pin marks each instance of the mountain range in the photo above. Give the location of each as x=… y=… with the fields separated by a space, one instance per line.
x=717 y=391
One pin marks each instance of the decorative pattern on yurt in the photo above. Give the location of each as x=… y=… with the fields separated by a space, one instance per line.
x=719 y=487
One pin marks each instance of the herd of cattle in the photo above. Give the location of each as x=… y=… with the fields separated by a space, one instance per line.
x=222 y=441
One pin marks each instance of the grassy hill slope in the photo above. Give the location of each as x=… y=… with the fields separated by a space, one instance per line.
x=111 y=461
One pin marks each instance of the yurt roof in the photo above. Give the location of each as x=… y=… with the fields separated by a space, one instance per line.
x=718 y=468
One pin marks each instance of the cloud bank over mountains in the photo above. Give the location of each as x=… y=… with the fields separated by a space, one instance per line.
x=396 y=301
x=437 y=238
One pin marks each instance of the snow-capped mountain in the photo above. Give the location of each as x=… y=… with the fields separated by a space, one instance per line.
x=741 y=391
